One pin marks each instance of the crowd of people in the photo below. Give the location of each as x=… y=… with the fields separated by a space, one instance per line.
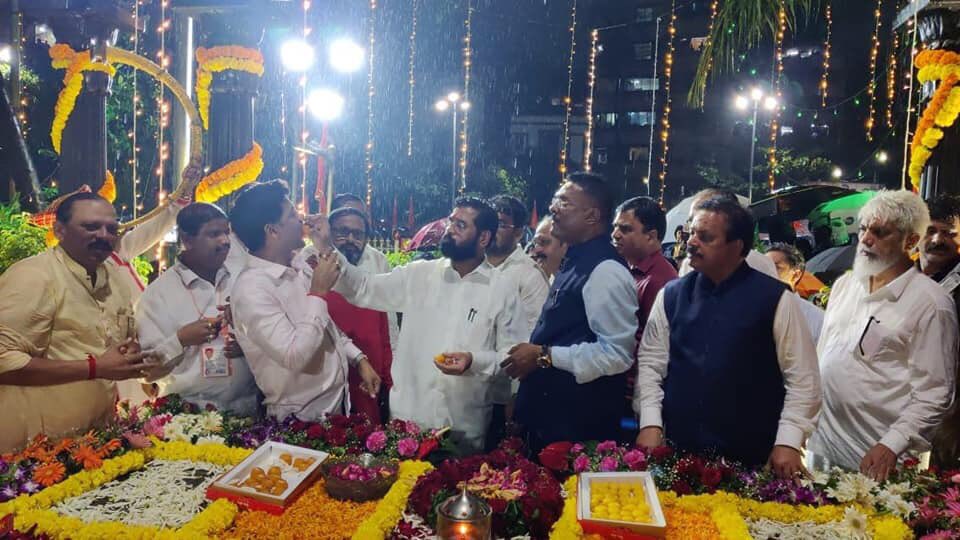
x=559 y=340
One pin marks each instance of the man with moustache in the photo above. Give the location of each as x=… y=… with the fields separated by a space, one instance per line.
x=726 y=363
x=572 y=370
x=179 y=320
x=547 y=250
x=367 y=328
x=66 y=328
x=459 y=320
x=298 y=356
x=940 y=260
x=888 y=348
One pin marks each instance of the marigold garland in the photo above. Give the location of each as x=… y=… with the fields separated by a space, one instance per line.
x=231 y=177
x=217 y=59
x=390 y=509
x=940 y=113
x=63 y=57
x=109 y=188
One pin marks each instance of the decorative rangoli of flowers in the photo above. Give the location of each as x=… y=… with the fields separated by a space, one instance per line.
x=942 y=110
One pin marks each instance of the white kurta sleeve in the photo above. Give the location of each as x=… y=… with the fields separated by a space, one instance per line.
x=380 y=292
x=797 y=356
x=147 y=234
x=653 y=357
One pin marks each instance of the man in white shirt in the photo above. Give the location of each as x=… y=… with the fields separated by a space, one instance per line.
x=458 y=322
x=547 y=250
x=754 y=258
x=725 y=362
x=506 y=255
x=178 y=319
x=299 y=358
x=888 y=348
x=790 y=267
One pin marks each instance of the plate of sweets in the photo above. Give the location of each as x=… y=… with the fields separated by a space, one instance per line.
x=620 y=505
x=359 y=478
x=271 y=478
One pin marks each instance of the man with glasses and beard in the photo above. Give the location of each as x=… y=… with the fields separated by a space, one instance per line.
x=458 y=322
x=367 y=328
x=940 y=260
x=888 y=348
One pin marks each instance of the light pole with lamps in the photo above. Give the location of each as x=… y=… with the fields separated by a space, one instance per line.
x=453 y=103
x=756 y=97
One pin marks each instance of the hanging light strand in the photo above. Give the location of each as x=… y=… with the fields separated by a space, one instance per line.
x=21 y=106
x=777 y=78
x=164 y=111
x=368 y=149
x=825 y=75
x=136 y=113
x=591 y=83
x=872 y=83
x=667 y=79
x=304 y=133
x=892 y=78
x=714 y=8
x=913 y=25
x=465 y=117
x=412 y=77
x=567 y=99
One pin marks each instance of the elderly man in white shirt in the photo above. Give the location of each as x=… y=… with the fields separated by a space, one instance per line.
x=178 y=318
x=888 y=347
x=298 y=356
x=458 y=323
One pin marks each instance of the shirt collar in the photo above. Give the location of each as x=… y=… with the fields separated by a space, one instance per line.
x=517 y=255
x=707 y=286
x=483 y=270
x=647 y=263
x=575 y=251
x=189 y=277
x=891 y=291
x=80 y=272
x=272 y=269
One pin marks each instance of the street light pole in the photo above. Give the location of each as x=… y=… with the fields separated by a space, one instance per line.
x=742 y=102
x=753 y=148
x=453 y=178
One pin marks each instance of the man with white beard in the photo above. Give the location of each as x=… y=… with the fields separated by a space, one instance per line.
x=887 y=349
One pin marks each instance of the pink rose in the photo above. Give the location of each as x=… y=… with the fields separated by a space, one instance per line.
x=955 y=478
x=606 y=447
x=609 y=464
x=581 y=463
x=577 y=448
x=412 y=428
x=154 y=426
x=377 y=441
x=635 y=459
x=407 y=447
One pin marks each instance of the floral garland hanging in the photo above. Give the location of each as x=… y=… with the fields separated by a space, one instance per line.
x=231 y=177
x=217 y=59
x=940 y=113
x=63 y=57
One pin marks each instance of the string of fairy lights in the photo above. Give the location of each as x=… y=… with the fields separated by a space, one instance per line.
x=302 y=110
x=778 y=92
x=825 y=75
x=412 y=78
x=892 y=78
x=465 y=117
x=874 y=54
x=714 y=8
x=368 y=149
x=591 y=83
x=134 y=204
x=164 y=107
x=667 y=81
x=567 y=99
x=22 y=104
x=913 y=26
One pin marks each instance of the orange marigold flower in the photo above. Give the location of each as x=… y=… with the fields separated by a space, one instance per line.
x=110 y=447
x=50 y=473
x=86 y=456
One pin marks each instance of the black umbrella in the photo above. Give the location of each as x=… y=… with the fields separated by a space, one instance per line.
x=831 y=263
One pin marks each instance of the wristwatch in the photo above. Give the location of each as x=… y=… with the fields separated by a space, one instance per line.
x=356 y=361
x=544 y=361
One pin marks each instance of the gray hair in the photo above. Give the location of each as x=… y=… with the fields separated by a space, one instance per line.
x=904 y=210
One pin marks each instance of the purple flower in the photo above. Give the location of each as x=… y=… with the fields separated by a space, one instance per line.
x=609 y=464
x=19 y=474
x=576 y=448
x=377 y=441
x=635 y=459
x=30 y=487
x=606 y=447
x=3 y=466
x=7 y=493
x=407 y=447
x=581 y=463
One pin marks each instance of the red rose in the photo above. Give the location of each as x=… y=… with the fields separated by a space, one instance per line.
x=681 y=487
x=426 y=447
x=339 y=420
x=299 y=425
x=498 y=505
x=556 y=456
x=710 y=477
x=336 y=436
x=662 y=452
x=315 y=431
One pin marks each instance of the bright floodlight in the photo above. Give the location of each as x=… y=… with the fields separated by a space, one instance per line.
x=442 y=105
x=770 y=103
x=6 y=54
x=756 y=94
x=453 y=97
x=325 y=104
x=741 y=103
x=465 y=105
x=346 y=56
x=882 y=156
x=297 y=55
x=837 y=172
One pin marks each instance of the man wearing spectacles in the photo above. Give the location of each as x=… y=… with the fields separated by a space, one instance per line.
x=367 y=328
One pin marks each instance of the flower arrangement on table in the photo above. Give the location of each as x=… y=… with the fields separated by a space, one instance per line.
x=525 y=498
x=155 y=492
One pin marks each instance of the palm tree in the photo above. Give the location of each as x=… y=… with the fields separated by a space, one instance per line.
x=739 y=26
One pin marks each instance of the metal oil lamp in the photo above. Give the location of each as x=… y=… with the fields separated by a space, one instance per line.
x=464 y=517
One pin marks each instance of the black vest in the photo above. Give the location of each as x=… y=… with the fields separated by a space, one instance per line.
x=724 y=388
x=550 y=404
